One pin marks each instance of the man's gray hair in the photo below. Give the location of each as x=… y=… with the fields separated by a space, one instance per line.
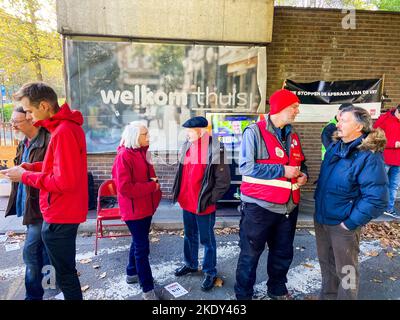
x=361 y=116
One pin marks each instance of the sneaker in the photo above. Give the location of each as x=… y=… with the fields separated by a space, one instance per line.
x=132 y=279
x=392 y=213
x=150 y=295
x=286 y=296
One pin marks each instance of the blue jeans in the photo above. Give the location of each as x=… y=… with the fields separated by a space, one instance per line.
x=139 y=253
x=259 y=226
x=193 y=226
x=394 y=181
x=60 y=242
x=35 y=257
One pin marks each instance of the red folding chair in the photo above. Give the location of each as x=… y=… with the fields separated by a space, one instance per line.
x=107 y=189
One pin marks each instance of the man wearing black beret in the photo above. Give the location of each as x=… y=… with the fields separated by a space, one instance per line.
x=202 y=178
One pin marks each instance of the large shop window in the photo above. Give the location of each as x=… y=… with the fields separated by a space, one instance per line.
x=115 y=82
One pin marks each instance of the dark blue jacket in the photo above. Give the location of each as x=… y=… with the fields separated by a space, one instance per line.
x=353 y=185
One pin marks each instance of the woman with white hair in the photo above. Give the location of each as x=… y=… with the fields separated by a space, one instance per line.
x=138 y=196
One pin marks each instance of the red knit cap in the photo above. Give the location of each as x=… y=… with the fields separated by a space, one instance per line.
x=281 y=99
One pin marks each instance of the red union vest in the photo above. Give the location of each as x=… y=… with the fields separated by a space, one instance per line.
x=275 y=190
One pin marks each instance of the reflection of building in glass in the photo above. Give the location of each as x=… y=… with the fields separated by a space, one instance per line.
x=222 y=78
x=114 y=83
x=241 y=71
x=137 y=69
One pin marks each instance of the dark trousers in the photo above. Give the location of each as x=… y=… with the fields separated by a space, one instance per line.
x=338 y=251
x=259 y=226
x=139 y=253
x=35 y=257
x=203 y=226
x=60 y=243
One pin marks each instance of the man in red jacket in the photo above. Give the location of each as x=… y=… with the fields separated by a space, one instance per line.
x=202 y=178
x=61 y=178
x=389 y=122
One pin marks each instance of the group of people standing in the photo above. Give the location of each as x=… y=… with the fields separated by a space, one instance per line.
x=352 y=189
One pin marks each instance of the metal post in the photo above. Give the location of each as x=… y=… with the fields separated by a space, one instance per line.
x=2 y=106
x=1 y=94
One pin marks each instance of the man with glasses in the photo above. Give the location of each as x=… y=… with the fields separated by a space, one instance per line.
x=24 y=201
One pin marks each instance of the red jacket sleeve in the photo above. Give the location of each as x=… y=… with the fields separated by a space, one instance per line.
x=35 y=166
x=125 y=184
x=64 y=176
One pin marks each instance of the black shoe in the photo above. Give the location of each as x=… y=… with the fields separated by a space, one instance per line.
x=286 y=296
x=184 y=270
x=208 y=282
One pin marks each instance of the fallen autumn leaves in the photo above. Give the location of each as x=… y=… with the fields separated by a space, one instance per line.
x=388 y=233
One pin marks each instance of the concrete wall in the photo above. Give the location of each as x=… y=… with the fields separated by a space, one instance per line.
x=247 y=21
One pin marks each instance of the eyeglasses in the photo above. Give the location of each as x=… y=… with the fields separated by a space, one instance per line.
x=15 y=122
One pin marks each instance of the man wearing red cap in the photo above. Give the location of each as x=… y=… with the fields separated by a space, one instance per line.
x=273 y=167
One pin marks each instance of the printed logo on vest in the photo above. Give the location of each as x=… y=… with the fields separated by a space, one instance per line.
x=297 y=155
x=295 y=142
x=279 y=152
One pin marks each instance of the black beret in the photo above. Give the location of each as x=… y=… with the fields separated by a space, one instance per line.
x=196 y=122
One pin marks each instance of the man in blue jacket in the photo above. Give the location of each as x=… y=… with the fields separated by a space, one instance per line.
x=352 y=189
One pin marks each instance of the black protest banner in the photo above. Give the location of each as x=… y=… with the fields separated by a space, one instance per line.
x=319 y=100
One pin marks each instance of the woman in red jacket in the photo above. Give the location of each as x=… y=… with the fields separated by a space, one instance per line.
x=138 y=198
x=389 y=122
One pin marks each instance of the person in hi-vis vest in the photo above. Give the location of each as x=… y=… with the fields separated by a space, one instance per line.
x=329 y=129
x=273 y=167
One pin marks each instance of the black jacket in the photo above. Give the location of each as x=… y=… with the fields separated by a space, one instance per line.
x=32 y=213
x=217 y=176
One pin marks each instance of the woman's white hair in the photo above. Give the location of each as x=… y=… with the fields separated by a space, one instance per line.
x=130 y=135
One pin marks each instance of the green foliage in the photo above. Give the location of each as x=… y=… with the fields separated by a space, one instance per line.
x=8 y=107
x=29 y=49
x=359 y=4
x=389 y=5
